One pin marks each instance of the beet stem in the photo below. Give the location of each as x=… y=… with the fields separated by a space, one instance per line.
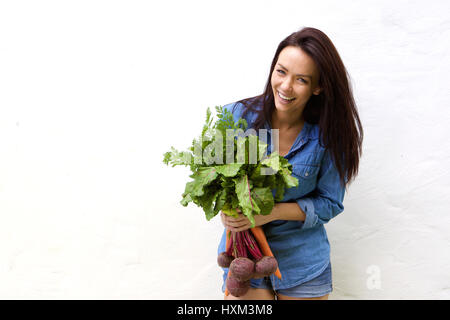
x=258 y=252
x=243 y=244
x=249 y=247
x=235 y=245
x=252 y=246
x=229 y=250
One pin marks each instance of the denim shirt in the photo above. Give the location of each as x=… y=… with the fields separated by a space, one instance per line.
x=301 y=247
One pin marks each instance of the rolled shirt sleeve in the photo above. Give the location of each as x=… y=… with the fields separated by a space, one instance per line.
x=325 y=202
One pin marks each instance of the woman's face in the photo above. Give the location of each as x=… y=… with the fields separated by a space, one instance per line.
x=294 y=79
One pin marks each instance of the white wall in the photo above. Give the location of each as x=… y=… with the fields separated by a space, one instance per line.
x=92 y=93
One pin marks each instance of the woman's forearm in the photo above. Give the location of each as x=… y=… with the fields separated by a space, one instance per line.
x=281 y=211
x=288 y=211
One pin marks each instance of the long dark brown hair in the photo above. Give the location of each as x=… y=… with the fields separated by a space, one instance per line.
x=333 y=109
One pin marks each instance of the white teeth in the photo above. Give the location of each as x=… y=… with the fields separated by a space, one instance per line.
x=284 y=97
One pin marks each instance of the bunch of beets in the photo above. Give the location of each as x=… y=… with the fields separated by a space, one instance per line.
x=245 y=261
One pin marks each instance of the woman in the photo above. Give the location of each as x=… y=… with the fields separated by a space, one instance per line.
x=308 y=98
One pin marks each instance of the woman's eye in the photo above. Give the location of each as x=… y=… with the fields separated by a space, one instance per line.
x=302 y=80
x=280 y=71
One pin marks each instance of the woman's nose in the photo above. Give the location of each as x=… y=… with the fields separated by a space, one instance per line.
x=286 y=85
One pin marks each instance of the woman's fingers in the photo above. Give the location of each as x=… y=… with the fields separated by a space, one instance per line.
x=238 y=226
x=239 y=219
x=234 y=222
x=240 y=223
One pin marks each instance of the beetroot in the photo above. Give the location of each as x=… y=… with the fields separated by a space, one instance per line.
x=245 y=260
x=266 y=266
x=242 y=268
x=237 y=288
x=224 y=260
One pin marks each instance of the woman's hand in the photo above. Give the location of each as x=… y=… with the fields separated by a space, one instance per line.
x=242 y=223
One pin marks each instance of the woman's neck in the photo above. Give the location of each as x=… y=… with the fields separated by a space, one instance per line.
x=285 y=121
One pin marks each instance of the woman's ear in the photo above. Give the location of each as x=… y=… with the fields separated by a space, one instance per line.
x=317 y=90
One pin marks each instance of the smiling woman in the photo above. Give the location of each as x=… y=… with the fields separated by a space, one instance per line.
x=293 y=85
x=309 y=82
x=308 y=98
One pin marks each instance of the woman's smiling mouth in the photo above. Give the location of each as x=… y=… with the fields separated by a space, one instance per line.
x=285 y=98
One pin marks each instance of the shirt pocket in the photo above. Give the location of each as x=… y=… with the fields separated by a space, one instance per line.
x=306 y=170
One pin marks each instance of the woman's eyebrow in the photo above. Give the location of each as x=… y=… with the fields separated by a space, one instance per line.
x=300 y=75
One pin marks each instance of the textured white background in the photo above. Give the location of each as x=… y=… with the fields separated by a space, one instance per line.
x=92 y=93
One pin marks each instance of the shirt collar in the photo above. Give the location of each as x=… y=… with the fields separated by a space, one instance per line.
x=309 y=131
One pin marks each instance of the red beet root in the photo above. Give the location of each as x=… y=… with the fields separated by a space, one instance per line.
x=237 y=288
x=242 y=268
x=224 y=260
x=242 y=246
x=266 y=266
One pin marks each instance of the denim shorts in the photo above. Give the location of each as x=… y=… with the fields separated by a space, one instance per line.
x=317 y=287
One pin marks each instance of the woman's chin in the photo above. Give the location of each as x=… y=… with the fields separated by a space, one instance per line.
x=282 y=107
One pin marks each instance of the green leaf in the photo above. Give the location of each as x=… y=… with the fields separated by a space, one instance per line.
x=229 y=170
x=207 y=202
x=186 y=199
x=202 y=178
x=221 y=200
x=262 y=149
x=175 y=157
x=256 y=177
x=229 y=211
x=244 y=185
x=273 y=162
x=264 y=199
x=246 y=203
x=235 y=202
x=289 y=180
x=280 y=188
